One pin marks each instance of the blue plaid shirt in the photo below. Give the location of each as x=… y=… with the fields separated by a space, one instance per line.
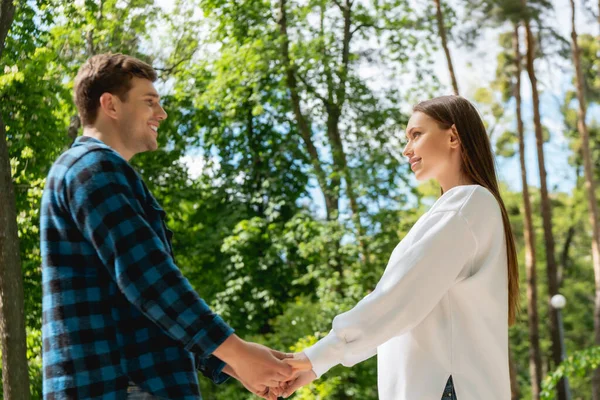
x=115 y=306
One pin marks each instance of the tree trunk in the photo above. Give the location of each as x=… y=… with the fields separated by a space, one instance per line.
x=515 y=389
x=333 y=104
x=7 y=13
x=551 y=268
x=15 y=372
x=334 y=112
x=329 y=191
x=442 y=33
x=590 y=186
x=535 y=359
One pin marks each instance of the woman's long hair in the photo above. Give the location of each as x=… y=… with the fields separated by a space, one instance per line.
x=478 y=165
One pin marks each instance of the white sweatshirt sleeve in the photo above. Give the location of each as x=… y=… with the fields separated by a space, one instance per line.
x=413 y=283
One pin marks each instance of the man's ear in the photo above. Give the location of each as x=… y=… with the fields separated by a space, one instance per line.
x=109 y=105
x=454 y=138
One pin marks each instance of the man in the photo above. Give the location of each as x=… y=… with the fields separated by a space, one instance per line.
x=119 y=319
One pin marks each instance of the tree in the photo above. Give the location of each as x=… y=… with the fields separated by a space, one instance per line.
x=508 y=77
x=15 y=374
x=509 y=74
x=551 y=265
x=442 y=33
x=337 y=80
x=535 y=360
x=590 y=186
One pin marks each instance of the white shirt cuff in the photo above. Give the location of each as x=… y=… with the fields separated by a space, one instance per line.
x=326 y=353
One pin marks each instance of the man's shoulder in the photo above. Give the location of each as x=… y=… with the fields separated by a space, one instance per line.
x=91 y=158
x=88 y=155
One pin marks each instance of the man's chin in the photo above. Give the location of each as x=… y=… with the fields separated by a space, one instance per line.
x=152 y=146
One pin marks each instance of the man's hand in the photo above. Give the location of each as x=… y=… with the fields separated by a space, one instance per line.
x=267 y=394
x=257 y=367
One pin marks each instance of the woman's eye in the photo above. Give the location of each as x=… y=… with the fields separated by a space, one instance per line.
x=415 y=134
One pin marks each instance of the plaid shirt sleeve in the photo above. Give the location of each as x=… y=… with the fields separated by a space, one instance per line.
x=212 y=368
x=100 y=195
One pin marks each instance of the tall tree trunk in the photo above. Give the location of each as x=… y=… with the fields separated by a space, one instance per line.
x=330 y=187
x=334 y=113
x=515 y=389
x=330 y=192
x=15 y=373
x=442 y=33
x=590 y=186
x=341 y=163
x=255 y=179
x=535 y=359
x=551 y=268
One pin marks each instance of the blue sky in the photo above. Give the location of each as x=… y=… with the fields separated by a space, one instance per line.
x=553 y=83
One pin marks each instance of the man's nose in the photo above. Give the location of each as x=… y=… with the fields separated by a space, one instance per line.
x=162 y=114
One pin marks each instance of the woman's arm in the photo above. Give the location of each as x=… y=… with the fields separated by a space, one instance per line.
x=413 y=283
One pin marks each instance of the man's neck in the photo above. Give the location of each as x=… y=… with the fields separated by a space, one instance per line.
x=111 y=140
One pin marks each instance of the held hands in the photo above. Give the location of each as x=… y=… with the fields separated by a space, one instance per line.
x=266 y=373
x=260 y=369
x=303 y=373
x=266 y=393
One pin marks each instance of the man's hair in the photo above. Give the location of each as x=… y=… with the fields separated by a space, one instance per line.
x=106 y=73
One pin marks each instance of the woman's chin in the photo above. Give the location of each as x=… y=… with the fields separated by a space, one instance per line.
x=420 y=177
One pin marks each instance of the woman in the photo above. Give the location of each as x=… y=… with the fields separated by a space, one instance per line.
x=438 y=318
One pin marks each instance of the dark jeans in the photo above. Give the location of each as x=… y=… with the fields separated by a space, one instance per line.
x=449 y=393
x=134 y=392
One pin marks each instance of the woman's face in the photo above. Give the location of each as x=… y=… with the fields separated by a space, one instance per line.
x=431 y=150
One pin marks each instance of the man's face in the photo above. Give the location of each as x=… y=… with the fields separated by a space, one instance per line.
x=140 y=116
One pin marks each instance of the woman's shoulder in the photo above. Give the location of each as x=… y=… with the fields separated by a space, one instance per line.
x=470 y=201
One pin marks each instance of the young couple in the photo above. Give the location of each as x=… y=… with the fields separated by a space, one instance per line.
x=121 y=322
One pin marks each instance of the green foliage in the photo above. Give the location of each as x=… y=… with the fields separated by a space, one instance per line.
x=579 y=364
x=590 y=67
x=250 y=234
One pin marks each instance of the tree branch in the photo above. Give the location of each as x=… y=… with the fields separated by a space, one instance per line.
x=343 y=74
x=171 y=69
x=313 y=91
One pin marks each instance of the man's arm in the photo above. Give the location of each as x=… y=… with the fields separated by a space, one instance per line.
x=212 y=368
x=102 y=202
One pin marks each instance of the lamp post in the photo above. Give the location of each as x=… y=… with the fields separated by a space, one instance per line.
x=558 y=302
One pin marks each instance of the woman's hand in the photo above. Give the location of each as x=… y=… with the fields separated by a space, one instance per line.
x=299 y=362
x=303 y=373
x=303 y=379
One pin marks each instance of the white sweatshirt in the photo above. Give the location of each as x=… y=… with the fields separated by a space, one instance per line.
x=440 y=308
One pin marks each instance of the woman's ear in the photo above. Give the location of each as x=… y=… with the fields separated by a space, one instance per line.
x=454 y=138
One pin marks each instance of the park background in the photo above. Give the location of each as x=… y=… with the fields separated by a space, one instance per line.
x=280 y=163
